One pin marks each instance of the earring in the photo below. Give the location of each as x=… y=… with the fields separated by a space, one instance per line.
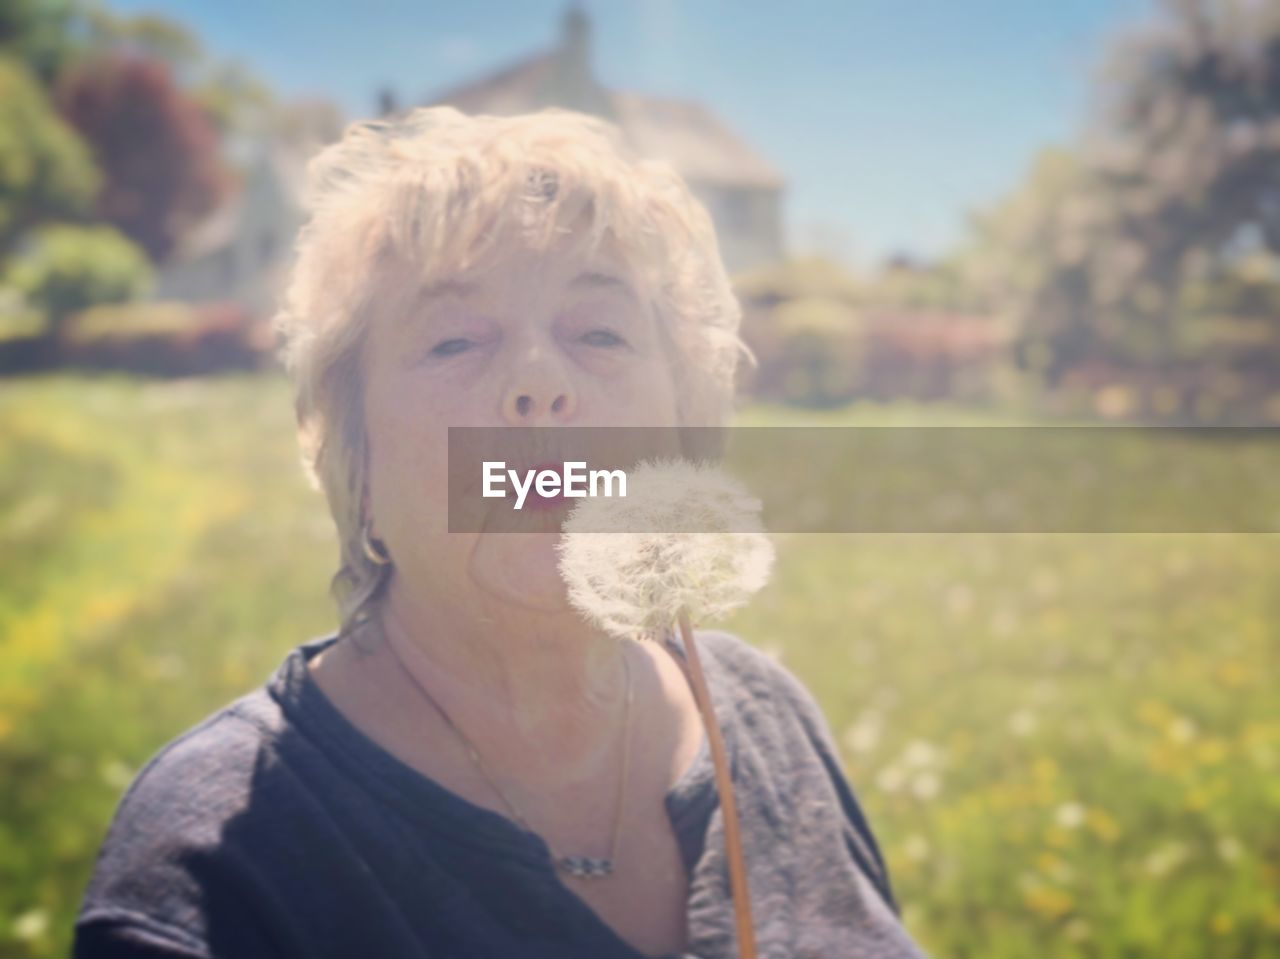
x=378 y=554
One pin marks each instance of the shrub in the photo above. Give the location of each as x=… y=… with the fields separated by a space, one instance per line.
x=167 y=339
x=69 y=268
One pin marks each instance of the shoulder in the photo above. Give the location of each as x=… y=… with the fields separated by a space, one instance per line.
x=757 y=673
x=203 y=770
x=172 y=815
x=734 y=654
x=756 y=687
x=810 y=750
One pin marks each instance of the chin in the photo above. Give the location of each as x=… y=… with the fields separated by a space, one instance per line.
x=520 y=569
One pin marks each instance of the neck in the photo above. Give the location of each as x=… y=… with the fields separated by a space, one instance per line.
x=534 y=687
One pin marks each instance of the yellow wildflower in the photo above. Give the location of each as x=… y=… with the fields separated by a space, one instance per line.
x=1103 y=824
x=1047 y=901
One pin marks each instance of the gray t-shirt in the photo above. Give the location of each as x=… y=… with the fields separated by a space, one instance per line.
x=276 y=828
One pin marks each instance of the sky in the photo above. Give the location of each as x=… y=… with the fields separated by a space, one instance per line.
x=890 y=120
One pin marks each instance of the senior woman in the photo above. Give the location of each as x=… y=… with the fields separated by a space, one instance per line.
x=465 y=768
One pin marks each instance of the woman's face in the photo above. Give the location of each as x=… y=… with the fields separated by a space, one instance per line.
x=543 y=339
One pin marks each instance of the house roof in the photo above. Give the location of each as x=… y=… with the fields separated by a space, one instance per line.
x=682 y=132
x=693 y=140
x=516 y=89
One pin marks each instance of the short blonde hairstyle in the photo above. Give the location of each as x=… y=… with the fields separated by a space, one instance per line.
x=439 y=193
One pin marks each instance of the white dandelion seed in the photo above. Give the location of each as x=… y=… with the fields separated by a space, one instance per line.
x=686 y=538
x=1230 y=848
x=1164 y=859
x=926 y=785
x=1070 y=815
x=1022 y=722
x=891 y=779
x=916 y=847
x=920 y=754
x=864 y=735
x=32 y=924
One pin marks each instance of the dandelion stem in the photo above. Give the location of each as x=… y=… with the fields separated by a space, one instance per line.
x=724 y=786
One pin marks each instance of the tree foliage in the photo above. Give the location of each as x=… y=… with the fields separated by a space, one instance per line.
x=37 y=33
x=1191 y=137
x=1113 y=247
x=234 y=98
x=155 y=146
x=46 y=172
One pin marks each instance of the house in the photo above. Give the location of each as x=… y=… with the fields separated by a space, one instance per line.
x=240 y=252
x=740 y=189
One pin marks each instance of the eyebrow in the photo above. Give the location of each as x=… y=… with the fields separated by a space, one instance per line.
x=445 y=288
x=603 y=281
x=591 y=280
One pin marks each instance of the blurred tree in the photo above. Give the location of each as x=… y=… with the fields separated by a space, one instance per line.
x=1190 y=146
x=45 y=169
x=157 y=149
x=236 y=100
x=38 y=34
x=147 y=36
x=787 y=279
x=1192 y=128
x=68 y=268
x=820 y=353
x=912 y=284
x=1112 y=249
x=1034 y=257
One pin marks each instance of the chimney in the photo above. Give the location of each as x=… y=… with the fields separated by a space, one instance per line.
x=575 y=37
x=576 y=83
x=388 y=102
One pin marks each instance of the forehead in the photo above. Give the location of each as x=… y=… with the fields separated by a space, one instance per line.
x=524 y=271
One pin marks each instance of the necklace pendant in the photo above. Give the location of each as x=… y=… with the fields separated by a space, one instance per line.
x=586 y=867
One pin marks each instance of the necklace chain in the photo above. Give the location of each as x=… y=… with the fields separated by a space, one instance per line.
x=582 y=867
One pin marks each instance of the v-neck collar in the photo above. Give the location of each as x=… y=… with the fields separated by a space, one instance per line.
x=689 y=803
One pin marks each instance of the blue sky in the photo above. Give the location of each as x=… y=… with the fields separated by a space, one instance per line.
x=890 y=120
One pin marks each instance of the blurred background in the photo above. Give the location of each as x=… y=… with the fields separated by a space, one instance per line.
x=935 y=213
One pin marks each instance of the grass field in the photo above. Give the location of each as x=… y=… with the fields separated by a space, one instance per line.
x=1068 y=745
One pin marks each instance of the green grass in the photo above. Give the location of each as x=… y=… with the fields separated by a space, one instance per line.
x=1068 y=745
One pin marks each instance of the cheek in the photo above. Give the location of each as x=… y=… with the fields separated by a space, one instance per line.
x=642 y=394
x=408 y=456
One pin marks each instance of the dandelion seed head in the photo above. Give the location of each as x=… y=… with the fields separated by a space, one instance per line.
x=864 y=735
x=1022 y=722
x=1070 y=815
x=925 y=786
x=1230 y=848
x=32 y=924
x=916 y=847
x=920 y=754
x=686 y=537
x=891 y=779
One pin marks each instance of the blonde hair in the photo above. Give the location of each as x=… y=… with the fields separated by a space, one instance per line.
x=439 y=192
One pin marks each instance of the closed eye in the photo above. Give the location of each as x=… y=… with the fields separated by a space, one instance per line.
x=603 y=338
x=451 y=347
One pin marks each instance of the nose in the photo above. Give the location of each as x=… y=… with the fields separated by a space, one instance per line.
x=539 y=391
